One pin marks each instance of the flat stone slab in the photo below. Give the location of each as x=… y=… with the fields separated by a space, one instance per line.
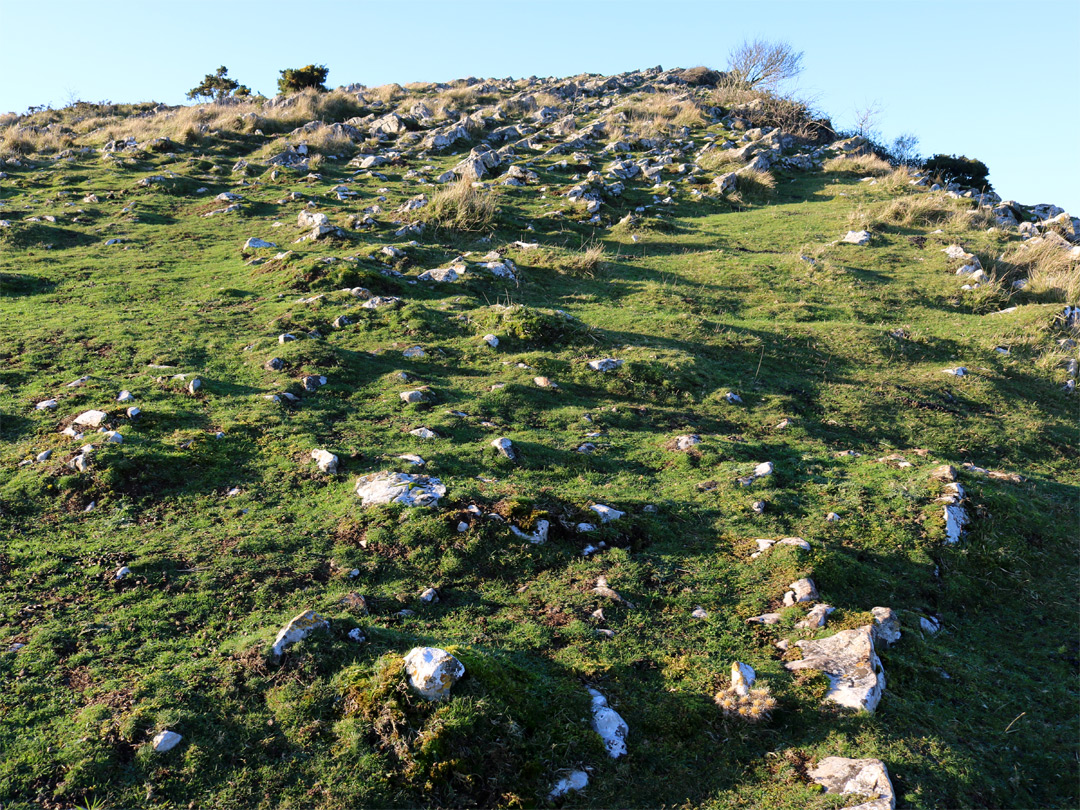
x=393 y=487
x=856 y=677
x=863 y=777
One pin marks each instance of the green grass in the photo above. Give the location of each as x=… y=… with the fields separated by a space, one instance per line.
x=712 y=297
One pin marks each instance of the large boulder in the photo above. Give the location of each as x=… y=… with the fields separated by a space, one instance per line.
x=856 y=677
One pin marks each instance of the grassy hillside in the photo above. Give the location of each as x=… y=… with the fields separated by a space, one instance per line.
x=212 y=501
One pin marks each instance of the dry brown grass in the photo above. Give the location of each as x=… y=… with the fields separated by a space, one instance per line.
x=654 y=116
x=753 y=185
x=461 y=206
x=1053 y=274
x=863 y=165
x=764 y=109
x=386 y=93
x=719 y=161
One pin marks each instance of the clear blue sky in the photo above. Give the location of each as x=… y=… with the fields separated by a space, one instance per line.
x=988 y=79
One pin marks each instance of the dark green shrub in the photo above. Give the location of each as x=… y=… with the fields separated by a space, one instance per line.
x=966 y=171
x=293 y=80
x=217 y=86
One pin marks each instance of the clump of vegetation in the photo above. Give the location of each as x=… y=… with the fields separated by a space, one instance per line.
x=1052 y=273
x=754 y=707
x=460 y=205
x=966 y=171
x=753 y=185
x=868 y=165
x=218 y=86
x=309 y=77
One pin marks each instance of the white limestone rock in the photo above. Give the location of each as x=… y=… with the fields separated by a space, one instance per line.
x=886 y=625
x=432 y=671
x=412 y=397
x=607 y=364
x=424 y=433
x=742 y=678
x=609 y=725
x=92 y=419
x=801 y=590
x=573 y=781
x=954 y=514
x=684 y=443
x=817 y=617
x=856 y=677
x=46 y=405
x=255 y=243
x=297 y=629
x=862 y=777
x=326 y=461
x=166 y=741
x=491 y=340
x=505 y=447
x=403 y=488
x=857 y=238
x=606 y=513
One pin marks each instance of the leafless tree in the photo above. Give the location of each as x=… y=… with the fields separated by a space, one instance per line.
x=764 y=64
x=867 y=118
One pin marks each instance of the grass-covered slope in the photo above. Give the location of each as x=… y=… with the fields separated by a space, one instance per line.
x=228 y=529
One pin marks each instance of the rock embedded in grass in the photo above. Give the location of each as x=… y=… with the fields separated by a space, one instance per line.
x=609 y=725
x=861 y=777
x=856 y=677
x=393 y=487
x=607 y=514
x=298 y=628
x=857 y=238
x=801 y=590
x=166 y=741
x=886 y=625
x=505 y=447
x=573 y=781
x=432 y=671
x=607 y=364
x=326 y=461
x=92 y=419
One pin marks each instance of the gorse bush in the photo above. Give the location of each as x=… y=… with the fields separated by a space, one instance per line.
x=293 y=80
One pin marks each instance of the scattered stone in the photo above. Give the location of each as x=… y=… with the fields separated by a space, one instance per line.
x=856 y=677
x=194 y=385
x=602 y=589
x=832 y=517
x=801 y=590
x=607 y=364
x=255 y=243
x=886 y=625
x=297 y=629
x=429 y=595
x=125 y=396
x=326 y=461
x=857 y=238
x=954 y=514
x=862 y=777
x=424 y=433
x=574 y=781
x=930 y=624
x=606 y=513
x=505 y=447
x=765 y=618
x=742 y=678
x=609 y=725
x=92 y=419
x=403 y=488
x=414 y=351
x=544 y=382
x=166 y=741
x=699 y=613
x=46 y=405
x=121 y=572
x=760 y=471
x=432 y=671
x=412 y=397
x=817 y=617
x=493 y=342
x=684 y=443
